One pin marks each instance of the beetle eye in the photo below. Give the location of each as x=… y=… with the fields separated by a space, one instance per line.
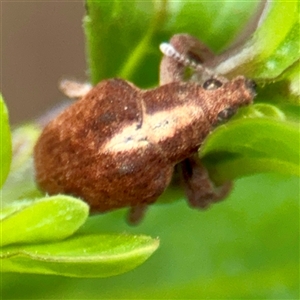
x=226 y=114
x=212 y=84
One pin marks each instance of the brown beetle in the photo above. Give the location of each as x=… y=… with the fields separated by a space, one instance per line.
x=118 y=145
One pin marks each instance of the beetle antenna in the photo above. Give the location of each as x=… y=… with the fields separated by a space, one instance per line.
x=169 y=51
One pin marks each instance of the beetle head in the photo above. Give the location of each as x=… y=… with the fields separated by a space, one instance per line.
x=226 y=97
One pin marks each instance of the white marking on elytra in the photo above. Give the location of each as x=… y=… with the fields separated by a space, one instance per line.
x=130 y=136
x=155 y=128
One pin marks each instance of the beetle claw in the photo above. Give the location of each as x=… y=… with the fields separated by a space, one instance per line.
x=136 y=214
x=199 y=188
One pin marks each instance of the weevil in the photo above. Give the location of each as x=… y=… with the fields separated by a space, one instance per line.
x=118 y=145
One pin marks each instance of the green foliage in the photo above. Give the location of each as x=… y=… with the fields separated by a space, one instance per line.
x=64 y=216
x=266 y=56
x=123 y=39
x=246 y=247
x=94 y=255
x=5 y=142
x=270 y=145
x=20 y=183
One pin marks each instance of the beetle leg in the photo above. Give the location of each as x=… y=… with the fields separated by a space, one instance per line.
x=136 y=214
x=74 y=89
x=199 y=188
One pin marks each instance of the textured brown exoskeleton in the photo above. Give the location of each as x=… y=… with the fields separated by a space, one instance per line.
x=118 y=145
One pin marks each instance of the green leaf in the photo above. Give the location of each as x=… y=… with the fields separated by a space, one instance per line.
x=216 y=23
x=134 y=26
x=92 y=255
x=20 y=183
x=24 y=138
x=285 y=90
x=46 y=219
x=293 y=75
x=142 y=25
x=246 y=247
x=266 y=56
x=5 y=142
x=264 y=142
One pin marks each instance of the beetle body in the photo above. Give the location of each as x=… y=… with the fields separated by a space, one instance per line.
x=118 y=145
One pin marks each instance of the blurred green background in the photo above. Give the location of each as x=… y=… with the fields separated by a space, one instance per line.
x=245 y=247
